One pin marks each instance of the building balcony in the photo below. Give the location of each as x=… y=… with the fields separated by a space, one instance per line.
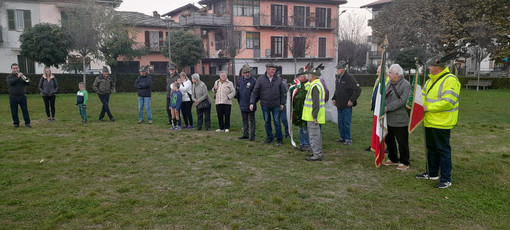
x=295 y=22
x=202 y=19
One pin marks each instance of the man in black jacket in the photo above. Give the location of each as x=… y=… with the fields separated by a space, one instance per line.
x=347 y=91
x=16 y=83
x=270 y=91
x=144 y=84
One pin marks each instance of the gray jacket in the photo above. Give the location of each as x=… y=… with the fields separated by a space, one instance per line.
x=103 y=85
x=396 y=98
x=200 y=92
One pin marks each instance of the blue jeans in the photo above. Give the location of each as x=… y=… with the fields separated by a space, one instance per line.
x=266 y=112
x=439 y=153
x=304 y=140
x=147 y=102
x=283 y=118
x=344 y=123
x=22 y=102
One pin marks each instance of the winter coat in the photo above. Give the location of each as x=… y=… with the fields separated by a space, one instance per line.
x=346 y=89
x=103 y=85
x=144 y=84
x=396 y=99
x=48 y=88
x=270 y=93
x=225 y=92
x=245 y=88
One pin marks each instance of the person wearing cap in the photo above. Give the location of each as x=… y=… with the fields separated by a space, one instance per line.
x=270 y=91
x=245 y=87
x=441 y=110
x=374 y=94
x=103 y=86
x=314 y=113
x=171 y=77
x=397 y=92
x=144 y=84
x=347 y=91
x=302 y=85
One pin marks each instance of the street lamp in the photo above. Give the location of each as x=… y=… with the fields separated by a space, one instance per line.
x=169 y=21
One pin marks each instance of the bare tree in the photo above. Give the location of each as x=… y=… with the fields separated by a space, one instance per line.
x=299 y=41
x=353 y=28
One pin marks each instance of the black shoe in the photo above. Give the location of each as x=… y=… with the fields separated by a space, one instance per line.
x=242 y=137
x=286 y=136
x=169 y=123
x=28 y=125
x=426 y=176
x=443 y=184
x=368 y=149
x=16 y=125
x=101 y=119
x=340 y=141
x=268 y=141
x=252 y=138
x=112 y=119
x=279 y=142
x=310 y=155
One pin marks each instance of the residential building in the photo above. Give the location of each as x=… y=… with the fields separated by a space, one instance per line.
x=375 y=52
x=18 y=15
x=151 y=32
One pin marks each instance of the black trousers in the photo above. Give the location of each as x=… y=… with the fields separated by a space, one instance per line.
x=248 y=120
x=168 y=110
x=223 y=111
x=22 y=102
x=439 y=153
x=201 y=113
x=49 y=101
x=105 y=99
x=402 y=138
x=186 y=112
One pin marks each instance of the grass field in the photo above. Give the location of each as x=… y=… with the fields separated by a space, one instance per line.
x=120 y=175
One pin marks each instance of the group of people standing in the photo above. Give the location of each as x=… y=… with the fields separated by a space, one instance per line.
x=309 y=96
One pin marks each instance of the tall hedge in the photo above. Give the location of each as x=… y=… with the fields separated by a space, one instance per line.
x=68 y=83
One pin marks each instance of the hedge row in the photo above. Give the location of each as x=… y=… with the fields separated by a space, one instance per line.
x=68 y=83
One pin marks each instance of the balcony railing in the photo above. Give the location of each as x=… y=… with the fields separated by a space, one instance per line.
x=374 y=54
x=295 y=22
x=204 y=19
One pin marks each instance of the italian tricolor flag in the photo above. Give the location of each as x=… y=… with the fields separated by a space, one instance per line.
x=416 y=116
x=379 y=125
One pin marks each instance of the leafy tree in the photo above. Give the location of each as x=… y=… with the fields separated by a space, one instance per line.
x=406 y=58
x=45 y=43
x=187 y=48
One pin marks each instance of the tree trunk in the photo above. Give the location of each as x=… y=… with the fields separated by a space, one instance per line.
x=84 y=76
x=477 y=74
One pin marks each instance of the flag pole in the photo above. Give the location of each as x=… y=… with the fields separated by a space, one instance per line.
x=424 y=130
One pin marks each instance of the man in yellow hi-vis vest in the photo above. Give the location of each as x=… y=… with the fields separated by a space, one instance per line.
x=441 y=105
x=314 y=113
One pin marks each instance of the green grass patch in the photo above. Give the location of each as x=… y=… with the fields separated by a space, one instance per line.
x=120 y=175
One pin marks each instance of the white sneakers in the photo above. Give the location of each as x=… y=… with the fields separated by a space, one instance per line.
x=221 y=130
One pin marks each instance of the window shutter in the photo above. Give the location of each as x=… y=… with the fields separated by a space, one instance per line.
x=273 y=16
x=328 y=18
x=10 y=16
x=307 y=18
x=285 y=15
x=272 y=46
x=147 y=39
x=27 y=17
x=285 y=46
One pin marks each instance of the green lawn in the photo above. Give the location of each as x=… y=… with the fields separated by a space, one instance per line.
x=120 y=175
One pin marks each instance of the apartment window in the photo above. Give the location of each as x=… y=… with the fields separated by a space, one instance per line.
x=322 y=17
x=246 y=8
x=301 y=16
x=252 y=40
x=220 y=41
x=26 y=65
x=322 y=47
x=220 y=7
x=279 y=46
x=299 y=47
x=154 y=40
x=278 y=15
x=19 y=20
x=159 y=66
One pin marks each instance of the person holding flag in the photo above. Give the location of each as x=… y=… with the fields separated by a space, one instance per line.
x=397 y=92
x=441 y=110
x=298 y=93
x=375 y=91
x=379 y=124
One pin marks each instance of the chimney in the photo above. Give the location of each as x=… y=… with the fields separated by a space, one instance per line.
x=156 y=14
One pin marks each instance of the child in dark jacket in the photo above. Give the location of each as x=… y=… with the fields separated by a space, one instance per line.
x=175 y=105
x=81 y=100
